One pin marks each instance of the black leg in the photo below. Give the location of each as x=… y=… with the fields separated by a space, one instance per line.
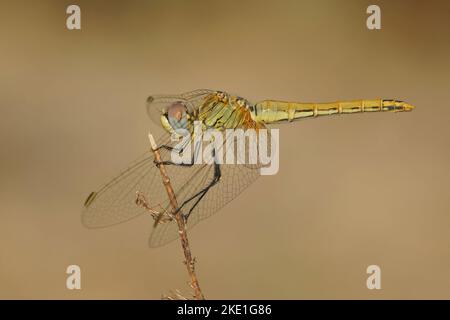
x=199 y=195
x=158 y=163
x=169 y=148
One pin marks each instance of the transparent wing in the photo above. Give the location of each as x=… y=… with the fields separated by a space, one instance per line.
x=234 y=179
x=158 y=104
x=114 y=202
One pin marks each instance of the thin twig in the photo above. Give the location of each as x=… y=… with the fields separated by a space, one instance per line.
x=162 y=216
x=189 y=262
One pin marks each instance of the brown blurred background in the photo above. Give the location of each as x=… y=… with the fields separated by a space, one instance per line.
x=375 y=189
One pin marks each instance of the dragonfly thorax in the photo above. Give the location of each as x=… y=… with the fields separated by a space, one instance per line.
x=218 y=110
x=223 y=111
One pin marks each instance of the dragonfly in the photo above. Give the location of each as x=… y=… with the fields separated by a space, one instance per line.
x=201 y=189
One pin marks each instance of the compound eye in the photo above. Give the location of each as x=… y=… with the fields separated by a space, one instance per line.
x=176 y=111
x=177 y=116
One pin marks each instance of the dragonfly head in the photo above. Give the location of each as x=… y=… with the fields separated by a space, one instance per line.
x=176 y=117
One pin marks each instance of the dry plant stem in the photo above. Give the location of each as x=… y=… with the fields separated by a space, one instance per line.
x=180 y=222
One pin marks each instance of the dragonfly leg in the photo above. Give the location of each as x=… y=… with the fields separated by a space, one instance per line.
x=180 y=150
x=199 y=195
x=158 y=163
x=170 y=148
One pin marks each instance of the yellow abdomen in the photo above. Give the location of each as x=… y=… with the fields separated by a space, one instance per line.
x=270 y=111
